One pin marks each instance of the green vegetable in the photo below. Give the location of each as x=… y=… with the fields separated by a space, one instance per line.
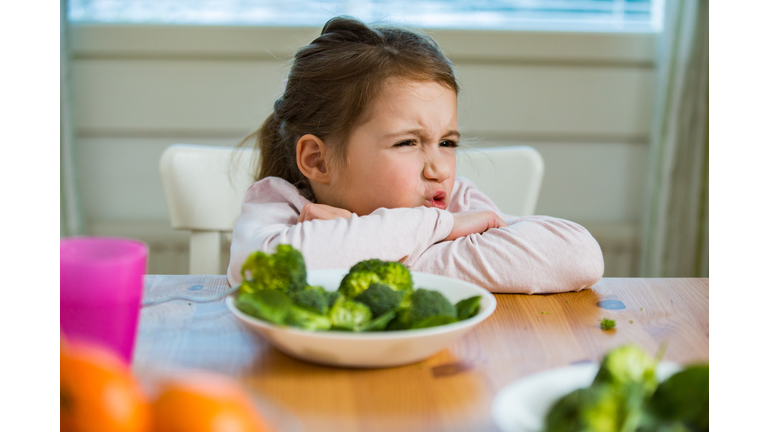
x=625 y=397
x=628 y=364
x=350 y=315
x=607 y=324
x=375 y=295
x=307 y=319
x=434 y=321
x=380 y=323
x=365 y=273
x=380 y=298
x=681 y=402
x=468 y=307
x=332 y=297
x=313 y=298
x=357 y=282
x=283 y=271
x=596 y=408
x=425 y=304
x=268 y=304
x=395 y=275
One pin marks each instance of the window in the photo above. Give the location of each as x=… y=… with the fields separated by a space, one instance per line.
x=643 y=16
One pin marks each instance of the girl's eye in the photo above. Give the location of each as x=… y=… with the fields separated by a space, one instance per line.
x=407 y=143
x=449 y=143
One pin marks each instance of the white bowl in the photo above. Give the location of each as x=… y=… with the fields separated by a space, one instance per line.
x=371 y=349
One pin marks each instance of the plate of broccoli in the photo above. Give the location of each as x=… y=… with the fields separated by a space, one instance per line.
x=374 y=314
x=629 y=391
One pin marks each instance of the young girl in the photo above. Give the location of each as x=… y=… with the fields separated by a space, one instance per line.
x=358 y=161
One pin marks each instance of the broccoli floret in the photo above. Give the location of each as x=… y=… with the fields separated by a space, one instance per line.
x=307 y=319
x=356 y=282
x=622 y=398
x=313 y=298
x=332 y=297
x=366 y=265
x=626 y=365
x=607 y=324
x=368 y=272
x=349 y=315
x=681 y=402
x=268 y=304
x=425 y=304
x=395 y=275
x=380 y=298
x=284 y=271
x=468 y=308
x=598 y=408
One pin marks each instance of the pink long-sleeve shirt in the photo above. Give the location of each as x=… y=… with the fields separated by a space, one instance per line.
x=534 y=254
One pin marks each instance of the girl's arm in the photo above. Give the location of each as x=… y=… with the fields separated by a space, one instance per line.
x=534 y=254
x=269 y=216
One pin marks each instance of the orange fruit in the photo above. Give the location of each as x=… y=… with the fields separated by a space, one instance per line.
x=98 y=392
x=204 y=402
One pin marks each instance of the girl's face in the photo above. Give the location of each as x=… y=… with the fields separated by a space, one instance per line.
x=403 y=153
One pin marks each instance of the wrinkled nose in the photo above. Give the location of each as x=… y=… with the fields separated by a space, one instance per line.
x=437 y=168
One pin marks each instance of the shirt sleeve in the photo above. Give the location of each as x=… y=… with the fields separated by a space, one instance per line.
x=534 y=254
x=269 y=217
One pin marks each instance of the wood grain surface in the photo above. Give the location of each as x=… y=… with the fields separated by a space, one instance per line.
x=451 y=391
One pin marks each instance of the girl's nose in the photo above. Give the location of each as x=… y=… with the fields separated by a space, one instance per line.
x=437 y=167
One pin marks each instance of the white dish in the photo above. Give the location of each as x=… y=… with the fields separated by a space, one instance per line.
x=371 y=349
x=523 y=405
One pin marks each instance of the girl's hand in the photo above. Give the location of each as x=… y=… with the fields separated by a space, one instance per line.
x=470 y=222
x=313 y=211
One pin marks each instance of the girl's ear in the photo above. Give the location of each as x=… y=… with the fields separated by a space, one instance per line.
x=312 y=158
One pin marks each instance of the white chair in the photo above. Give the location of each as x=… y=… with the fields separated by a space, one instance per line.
x=510 y=176
x=204 y=187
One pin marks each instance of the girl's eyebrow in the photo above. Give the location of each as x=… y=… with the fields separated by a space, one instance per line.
x=420 y=133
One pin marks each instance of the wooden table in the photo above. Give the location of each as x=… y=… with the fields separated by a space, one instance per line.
x=453 y=390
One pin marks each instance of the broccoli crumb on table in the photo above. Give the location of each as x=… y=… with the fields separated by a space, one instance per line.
x=607 y=324
x=452 y=391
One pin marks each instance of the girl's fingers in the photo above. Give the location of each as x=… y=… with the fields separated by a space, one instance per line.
x=474 y=222
x=303 y=214
x=313 y=211
x=499 y=221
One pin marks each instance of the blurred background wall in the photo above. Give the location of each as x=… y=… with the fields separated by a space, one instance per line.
x=584 y=100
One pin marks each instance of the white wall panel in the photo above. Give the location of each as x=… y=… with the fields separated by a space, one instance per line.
x=232 y=97
x=119 y=96
x=120 y=177
x=593 y=182
x=556 y=102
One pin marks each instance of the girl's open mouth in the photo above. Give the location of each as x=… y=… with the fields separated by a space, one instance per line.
x=437 y=200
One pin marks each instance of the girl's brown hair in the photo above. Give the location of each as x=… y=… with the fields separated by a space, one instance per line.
x=332 y=81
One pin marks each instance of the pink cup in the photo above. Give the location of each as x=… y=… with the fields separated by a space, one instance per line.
x=101 y=281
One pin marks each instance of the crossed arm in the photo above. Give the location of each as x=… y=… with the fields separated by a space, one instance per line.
x=464 y=223
x=536 y=254
x=476 y=243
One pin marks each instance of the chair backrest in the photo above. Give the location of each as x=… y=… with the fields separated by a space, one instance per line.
x=511 y=176
x=204 y=187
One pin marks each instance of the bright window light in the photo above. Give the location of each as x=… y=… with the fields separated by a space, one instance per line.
x=643 y=16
